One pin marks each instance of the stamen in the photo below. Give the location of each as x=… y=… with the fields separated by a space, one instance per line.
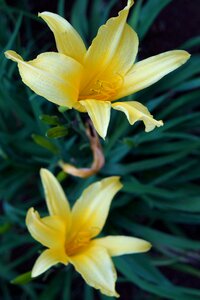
x=104 y=90
x=80 y=241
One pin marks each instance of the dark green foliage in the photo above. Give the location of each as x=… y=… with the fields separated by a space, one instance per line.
x=160 y=170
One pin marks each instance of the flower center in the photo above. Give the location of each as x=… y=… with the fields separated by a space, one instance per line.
x=103 y=89
x=80 y=241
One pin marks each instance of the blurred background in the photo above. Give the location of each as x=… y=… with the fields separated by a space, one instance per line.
x=160 y=170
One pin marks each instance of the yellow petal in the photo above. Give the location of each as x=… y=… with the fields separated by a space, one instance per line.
x=97 y=269
x=68 y=41
x=135 y=111
x=150 y=70
x=56 y=200
x=90 y=211
x=53 y=76
x=46 y=260
x=55 y=222
x=99 y=112
x=119 y=245
x=113 y=50
x=51 y=236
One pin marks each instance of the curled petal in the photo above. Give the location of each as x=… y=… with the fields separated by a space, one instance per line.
x=135 y=111
x=68 y=40
x=47 y=259
x=97 y=269
x=99 y=112
x=55 y=223
x=50 y=233
x=90 y=211
x=150 y=70
x=119 y=245
x=98 y=158
x=53 y=76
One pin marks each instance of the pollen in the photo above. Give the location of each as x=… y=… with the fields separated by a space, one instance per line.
x=103 y=89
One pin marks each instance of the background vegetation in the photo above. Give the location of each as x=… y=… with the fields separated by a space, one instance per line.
x=160 y=170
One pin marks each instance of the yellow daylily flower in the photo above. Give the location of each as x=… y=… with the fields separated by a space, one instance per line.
x=89 y=80
x=70 y=234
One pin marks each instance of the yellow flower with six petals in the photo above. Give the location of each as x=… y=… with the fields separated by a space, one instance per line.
x=69 y=234
x=90 y=80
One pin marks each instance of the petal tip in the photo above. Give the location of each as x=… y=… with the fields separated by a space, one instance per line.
x=118 y=178
x=42 y=14
x=45 y=172
x=112 y=294
x=160 y=123
x=115 y=179
x=144 y=246
x=102 y=132
x=10 y=54
x=36 y=271
x=7 y=54
x=185 y=56
x=99 y=113
x=130 y=3
x=116 y=295
x=152 y=126
x=31 y=210
x=120 y=185
x=34 y=274
x=147 y=246
x=29 y=216
x=103 y=136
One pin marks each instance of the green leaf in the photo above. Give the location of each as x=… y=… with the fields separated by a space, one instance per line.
x=5 y=227
x=61 y=176
x=149 y=13
x=57 y=132
x=62 y=109
x=45 y=143
x=135 y=14
x=159 y=238
x=79 y=17
x=88 y=292
x=193 y=42
x=61 y=8
x=126 y=267
x=51 y=120
x=22 y=279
